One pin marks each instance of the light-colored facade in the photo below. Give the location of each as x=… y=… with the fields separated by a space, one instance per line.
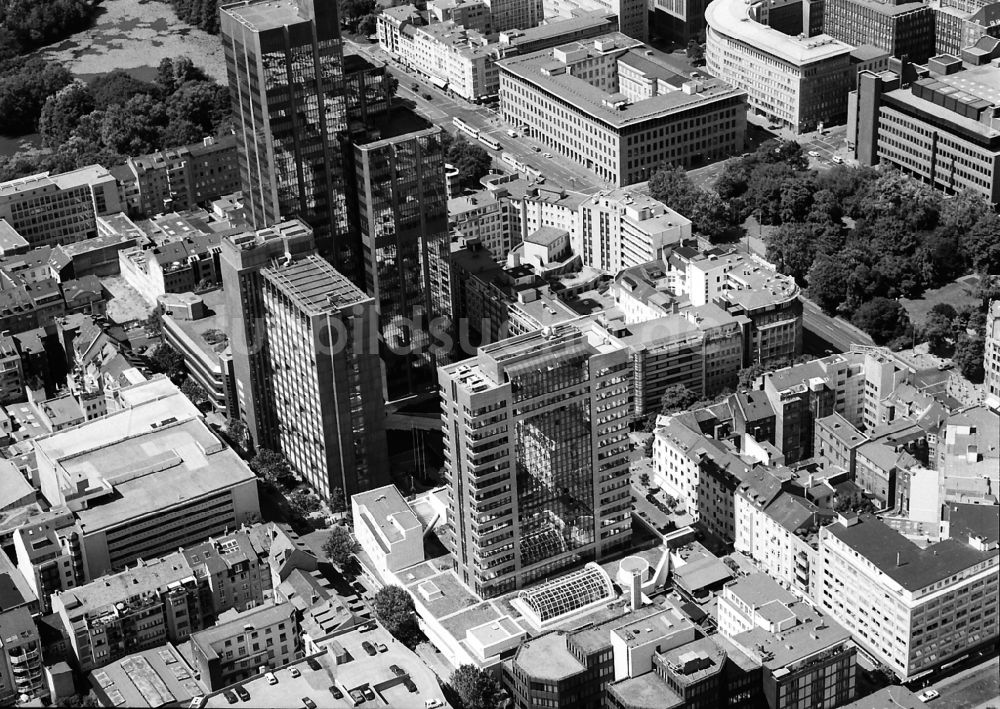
x=633 y=15
x=59 y=209
x=243 y=642
x=796 y=82
x=21 y=669
x=912 y=607
x=612 y=105
x=47 y=554
x=536 y=454
x=952 y=146
x=515 y=14
x=904 y=28
x=387 y=529
x=619 y=230
x=324 y=376
x=145 y=480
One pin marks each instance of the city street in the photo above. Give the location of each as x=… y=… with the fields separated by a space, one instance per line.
x=442 y=108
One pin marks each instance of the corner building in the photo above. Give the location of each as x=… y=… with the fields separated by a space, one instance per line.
x=536 y=454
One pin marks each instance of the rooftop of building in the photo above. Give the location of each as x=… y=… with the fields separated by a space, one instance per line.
x=388 y=511
x=647 y=691
x=145 y=577
x=151 y=678
x=758 y=589
x=16 y=624
x=812 y=634
x=233 y=622
x=842 y=429
x=14 y=589
x=13 y=485
x=557 y=27
x=702 y=571
x=696 y=660
x=733 y=19
x=261 y=15
x=869 y=52
x=970 y=520
x=548 y=659
x=542 y=69
x=911 y=566
x=892 y=697
x=892 y=8
x=210 y=333
x=10 y=240
x=314 y=285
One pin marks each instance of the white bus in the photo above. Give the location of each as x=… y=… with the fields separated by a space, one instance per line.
x=489 y=142
x=465 y=127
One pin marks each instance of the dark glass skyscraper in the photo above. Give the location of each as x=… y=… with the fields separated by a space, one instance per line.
x=286 y=77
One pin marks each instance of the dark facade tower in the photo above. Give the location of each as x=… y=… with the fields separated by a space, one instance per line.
x=403 y=218
x=284 y=59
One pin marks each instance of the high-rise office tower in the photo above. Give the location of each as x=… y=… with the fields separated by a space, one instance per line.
x=325 y=376
x=403 y=206
x=536 y=453
x=284 y=59
x=241 y=260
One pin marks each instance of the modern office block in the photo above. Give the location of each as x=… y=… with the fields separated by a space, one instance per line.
x=284 y=60
x=794 y=81
x=241 y=261
x=938 y=127
x=324 y=376
x=991 y=356
x=536 y=454
x=403 y=208
x=904 y=29
x=618 y=108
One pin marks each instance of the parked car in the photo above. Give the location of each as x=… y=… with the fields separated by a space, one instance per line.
x=813 y=154
x=397 y=670
x=230 y=696
x=335 y=691
x=432 y=703
x=294 y=672
x=271 y=679
x=369 y=648
x=408 y=683
x=313 y=665
x=837 y=159
x=369 y=694
x=381 y=647
x=928 y=695
x=308 y=703
x=242 y=693
x=357 y=696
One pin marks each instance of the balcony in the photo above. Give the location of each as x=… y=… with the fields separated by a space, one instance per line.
x=24 y=657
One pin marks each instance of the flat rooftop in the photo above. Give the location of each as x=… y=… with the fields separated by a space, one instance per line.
x=548 y=658
x=214 y=327
x=733 y=19
x=144 y=577
x=151 y=678
x=536 y=68
x=314 y=285
x=260 y=15
x=646 y=691
x=388 y=511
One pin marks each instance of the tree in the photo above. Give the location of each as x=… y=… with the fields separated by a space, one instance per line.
x=35 y=23
x=237 y=432
x=782 y=151
x=472 y=161
x=272 y=467
x=338 y=501
x=394 y=609
x=673 y=187
x=792 y=249
x=475 y=688
x=351 y=11
x=340 y=546
x=695 y=52
x=644 y=479
x=62 y=111
x=24 y=90
x=968 y=357
x=194 y=391
x=676 y=397
x=368 y=25
x=827 y=280
x=938 y=331
x=883 y=319
x=166 y=360
x=304 y=502
x=119 y=87
x=981 y=244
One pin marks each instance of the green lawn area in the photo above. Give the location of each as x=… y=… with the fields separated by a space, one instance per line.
x=959 y=293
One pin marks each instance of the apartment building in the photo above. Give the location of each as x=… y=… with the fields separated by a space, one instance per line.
x=173 y=267
x=967 y=455
x=633 y=15
x=807 y=659
x=837 y=440
x=48 y=556
x=21 y=670
x=539 y=419
x=163 y=599
x=487 y=217
x=951 y=145
x=991 y=357
x=904 y=29
x=145 y=480
x=962 y=23
x=242 y=642
x=11 y=370
x=59 y=209
x=913 y=607
x=470 y=14
x=794 y=81
x=621 y=229
x=614 y=106
x=182 y=178
x=515 y=14
x=324 y=376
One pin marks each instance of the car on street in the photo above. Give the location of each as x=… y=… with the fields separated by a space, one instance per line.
x=369 y=648
x=546 y=155
x=396 y=670
x=308 y=703
x=230 y=697
x=294 y=672
x=813 y=154
x=242 y=693
x=512 y=133
x=928 y=695
x=837 y=159
x=536 y=148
